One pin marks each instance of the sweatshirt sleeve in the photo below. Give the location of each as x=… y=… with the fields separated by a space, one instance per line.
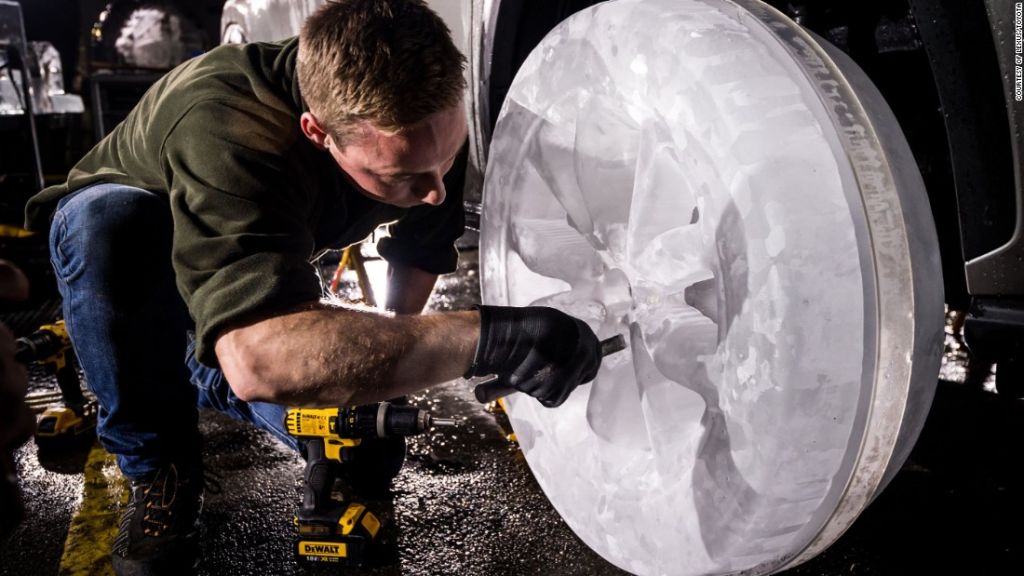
x=242 y=242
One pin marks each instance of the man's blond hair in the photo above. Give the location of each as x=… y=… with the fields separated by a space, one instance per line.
x=389 y=62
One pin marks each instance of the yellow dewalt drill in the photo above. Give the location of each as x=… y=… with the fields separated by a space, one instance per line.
x=331 y=530
x=50 y=346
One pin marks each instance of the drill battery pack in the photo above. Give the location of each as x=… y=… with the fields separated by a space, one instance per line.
x=67 y=423
x=344 y=535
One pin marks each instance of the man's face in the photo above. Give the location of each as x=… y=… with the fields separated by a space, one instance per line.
x=403 y=169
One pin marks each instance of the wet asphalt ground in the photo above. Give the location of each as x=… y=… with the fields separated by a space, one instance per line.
x=465 y=502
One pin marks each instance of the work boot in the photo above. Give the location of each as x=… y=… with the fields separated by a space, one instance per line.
x=159 y=529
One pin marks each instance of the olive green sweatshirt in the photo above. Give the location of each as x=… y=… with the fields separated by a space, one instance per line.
x=253 y=201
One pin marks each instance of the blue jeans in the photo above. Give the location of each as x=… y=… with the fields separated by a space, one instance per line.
x=110 y=246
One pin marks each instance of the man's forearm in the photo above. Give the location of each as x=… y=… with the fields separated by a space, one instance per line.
x=329 y=356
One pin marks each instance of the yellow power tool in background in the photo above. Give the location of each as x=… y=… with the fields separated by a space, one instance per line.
x=75 y=418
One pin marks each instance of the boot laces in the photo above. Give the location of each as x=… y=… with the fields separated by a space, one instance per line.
x=157 y=498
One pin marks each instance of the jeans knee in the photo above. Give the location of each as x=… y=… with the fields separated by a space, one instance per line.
x=112 y=211
x=107 y=223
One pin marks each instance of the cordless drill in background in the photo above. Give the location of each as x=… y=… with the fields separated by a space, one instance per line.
x=50 y=346
x=331 y=530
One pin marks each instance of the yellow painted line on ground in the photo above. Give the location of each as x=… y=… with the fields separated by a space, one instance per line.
x=87 y=548
x=7 y=231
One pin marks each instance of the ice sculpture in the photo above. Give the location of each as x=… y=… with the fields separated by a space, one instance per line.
x=701 y=176
x=157 y=37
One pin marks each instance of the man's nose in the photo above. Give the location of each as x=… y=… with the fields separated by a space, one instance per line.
x=432 y=191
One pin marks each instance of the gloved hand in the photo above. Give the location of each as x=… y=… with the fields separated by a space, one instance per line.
x=539 y=351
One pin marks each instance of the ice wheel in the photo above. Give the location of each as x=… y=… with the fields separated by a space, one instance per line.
x=734 y=196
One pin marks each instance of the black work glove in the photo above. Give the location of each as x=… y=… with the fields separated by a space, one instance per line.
x=537 y=350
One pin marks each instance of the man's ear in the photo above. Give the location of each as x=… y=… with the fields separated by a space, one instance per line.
x=313 y=130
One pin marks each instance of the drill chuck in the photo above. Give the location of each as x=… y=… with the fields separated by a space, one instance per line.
x=38 y=346
x=381 y=420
